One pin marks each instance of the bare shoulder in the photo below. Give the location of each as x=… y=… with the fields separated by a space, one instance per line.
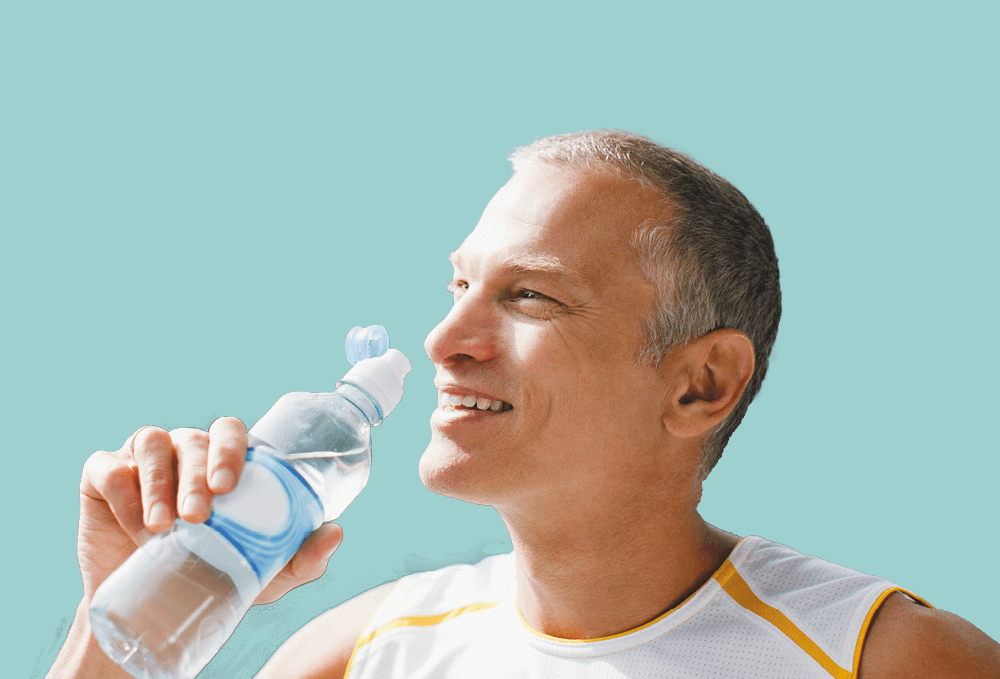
x=909 y=640
x=323 y=647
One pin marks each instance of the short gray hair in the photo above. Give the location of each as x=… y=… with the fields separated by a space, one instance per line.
x=712 y=264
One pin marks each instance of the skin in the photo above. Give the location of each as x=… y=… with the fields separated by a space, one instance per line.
x=592 y=455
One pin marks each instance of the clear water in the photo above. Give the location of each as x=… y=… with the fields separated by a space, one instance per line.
x=171 y=620
x=326 y=438
x=338 y=478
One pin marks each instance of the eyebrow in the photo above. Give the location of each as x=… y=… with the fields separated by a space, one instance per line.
x=541 y=264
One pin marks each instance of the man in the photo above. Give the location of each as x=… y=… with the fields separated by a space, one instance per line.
x=614 y=312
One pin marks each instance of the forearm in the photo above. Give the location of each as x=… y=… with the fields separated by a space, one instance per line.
x=80 y=656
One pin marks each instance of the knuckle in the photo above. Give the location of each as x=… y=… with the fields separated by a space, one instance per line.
x=189 y=435
x=85 y=475
x=231 y=450
x=157 y=480
x=150 y=437
x=93 y=460
x=193 y=479
x=119 y=480
x=92 y=469
x=317 y=571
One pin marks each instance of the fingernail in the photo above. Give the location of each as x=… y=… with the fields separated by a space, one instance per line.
x=195 y=504
x=223 y=479
x=160 y=514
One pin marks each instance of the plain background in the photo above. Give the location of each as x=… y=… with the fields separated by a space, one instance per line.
x=198 y=201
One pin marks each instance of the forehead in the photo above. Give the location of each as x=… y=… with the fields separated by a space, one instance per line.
x=563 y=218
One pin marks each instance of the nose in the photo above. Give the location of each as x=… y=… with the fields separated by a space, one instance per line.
x=466 y=335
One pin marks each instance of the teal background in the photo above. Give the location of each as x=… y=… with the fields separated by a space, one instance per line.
x=198 y=201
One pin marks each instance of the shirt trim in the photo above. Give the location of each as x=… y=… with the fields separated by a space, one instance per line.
x=417 y=621
x=736 y=587
x=634 y=629
x=871 y=615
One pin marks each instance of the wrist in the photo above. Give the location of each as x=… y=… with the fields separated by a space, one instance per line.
x=81 y=657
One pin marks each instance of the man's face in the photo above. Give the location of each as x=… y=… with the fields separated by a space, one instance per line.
x=544 y=333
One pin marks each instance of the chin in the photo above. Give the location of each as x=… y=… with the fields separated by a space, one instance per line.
x=448 y=470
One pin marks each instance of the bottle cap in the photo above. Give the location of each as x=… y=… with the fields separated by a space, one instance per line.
x=365 y=343
x=381 y=378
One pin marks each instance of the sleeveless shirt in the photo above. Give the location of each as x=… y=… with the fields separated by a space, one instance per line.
x=768 y=611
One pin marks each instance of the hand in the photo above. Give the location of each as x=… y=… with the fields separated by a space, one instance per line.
x=128 y=495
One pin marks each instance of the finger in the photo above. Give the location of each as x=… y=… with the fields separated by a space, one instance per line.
x=127 y=449
x=308 y=564
x=227 y=450
x=153 y=451
x=115 y=483
x=194 y=499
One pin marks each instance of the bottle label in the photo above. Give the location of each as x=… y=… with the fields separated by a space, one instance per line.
x=269 y=515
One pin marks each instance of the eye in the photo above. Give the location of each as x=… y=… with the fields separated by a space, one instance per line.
x=535 y=298
x=457 y=287
x=533 y=304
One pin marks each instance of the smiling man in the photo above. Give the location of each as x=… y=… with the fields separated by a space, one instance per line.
x=614 y=312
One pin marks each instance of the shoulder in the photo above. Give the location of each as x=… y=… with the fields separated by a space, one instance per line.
x=323 y=647
x=451 y=587
x=909 y=640
x=861 y=621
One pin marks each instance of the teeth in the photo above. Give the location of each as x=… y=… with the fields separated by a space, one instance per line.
x=469 y=401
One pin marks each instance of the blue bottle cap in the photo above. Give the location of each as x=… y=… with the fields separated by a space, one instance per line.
x=363 y=343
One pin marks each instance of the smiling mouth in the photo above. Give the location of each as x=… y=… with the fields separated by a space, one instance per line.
x=470 y=402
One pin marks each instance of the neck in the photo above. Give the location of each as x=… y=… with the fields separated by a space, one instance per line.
x=591 y=574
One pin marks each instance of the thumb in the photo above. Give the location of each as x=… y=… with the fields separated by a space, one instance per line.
x=308 y=564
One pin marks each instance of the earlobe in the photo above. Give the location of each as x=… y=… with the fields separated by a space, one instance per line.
x=710 y=375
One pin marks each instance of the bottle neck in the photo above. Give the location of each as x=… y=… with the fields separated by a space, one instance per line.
x=360 y=399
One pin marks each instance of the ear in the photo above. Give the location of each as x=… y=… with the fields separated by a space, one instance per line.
x=707 y=381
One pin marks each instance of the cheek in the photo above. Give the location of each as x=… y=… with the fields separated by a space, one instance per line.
x=560 y=351
x=550 y=374
x=531 y=348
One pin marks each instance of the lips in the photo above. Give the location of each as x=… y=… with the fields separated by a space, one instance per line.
x=459 y=401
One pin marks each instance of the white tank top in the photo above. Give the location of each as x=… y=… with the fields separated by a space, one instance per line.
x=768 y=611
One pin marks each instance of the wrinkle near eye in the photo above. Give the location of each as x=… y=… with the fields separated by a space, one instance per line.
x=580 y=322
x=538 y=307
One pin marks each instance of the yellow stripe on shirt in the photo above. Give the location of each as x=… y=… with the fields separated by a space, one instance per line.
x=736 y=587
x=417 y=621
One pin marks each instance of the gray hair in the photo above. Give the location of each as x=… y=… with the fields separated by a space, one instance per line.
x=712 y=264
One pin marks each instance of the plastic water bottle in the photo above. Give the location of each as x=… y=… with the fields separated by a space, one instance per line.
x=172 y=605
